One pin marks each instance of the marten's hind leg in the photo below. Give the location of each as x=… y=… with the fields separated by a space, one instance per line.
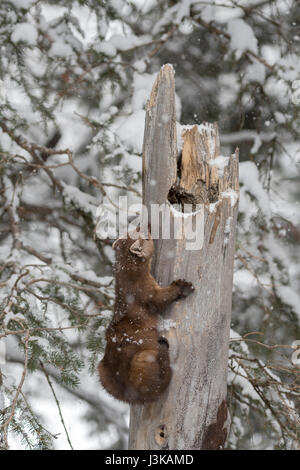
x=149 y=374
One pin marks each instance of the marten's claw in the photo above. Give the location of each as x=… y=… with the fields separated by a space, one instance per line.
x=186 y=288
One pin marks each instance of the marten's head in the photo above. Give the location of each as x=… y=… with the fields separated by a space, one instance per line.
x=134 y=249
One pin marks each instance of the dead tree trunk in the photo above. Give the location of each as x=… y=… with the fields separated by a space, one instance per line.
x=192 y=413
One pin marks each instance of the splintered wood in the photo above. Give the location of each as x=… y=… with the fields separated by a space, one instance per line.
x=206 y=174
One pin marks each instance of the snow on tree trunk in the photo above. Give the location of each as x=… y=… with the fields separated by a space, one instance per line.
x=192 y=413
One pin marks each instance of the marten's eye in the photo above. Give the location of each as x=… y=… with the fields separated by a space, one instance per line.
x=136 y=250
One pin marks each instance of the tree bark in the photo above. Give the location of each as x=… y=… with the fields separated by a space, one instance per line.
x=192 y=413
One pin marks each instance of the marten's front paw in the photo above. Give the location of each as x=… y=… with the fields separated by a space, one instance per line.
x=185 y=287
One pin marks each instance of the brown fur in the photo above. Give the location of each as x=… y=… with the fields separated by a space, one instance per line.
x=136 y=367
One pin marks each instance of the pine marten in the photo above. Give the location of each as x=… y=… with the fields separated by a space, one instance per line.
x=136 y=367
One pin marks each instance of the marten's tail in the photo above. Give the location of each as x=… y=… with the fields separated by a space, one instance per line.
x=149 y=374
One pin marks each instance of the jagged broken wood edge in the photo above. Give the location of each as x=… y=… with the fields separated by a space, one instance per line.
x=200 y=176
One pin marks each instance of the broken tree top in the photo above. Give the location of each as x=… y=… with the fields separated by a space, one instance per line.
x=201 y=174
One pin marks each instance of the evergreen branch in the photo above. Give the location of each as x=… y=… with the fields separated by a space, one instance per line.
x=39 y=425
x=5 y=425
x=38 y=329
x=108 y=412
x=60 y=283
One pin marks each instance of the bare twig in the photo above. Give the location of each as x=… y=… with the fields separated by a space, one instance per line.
x=57 y=403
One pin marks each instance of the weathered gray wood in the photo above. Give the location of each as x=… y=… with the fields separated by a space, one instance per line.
x=192 y=413
x=160 y=146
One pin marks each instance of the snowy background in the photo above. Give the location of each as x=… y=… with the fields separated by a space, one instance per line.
x=74 y=80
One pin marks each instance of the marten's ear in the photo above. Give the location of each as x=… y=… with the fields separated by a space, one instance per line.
x=115 y=243
x=142 y=248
